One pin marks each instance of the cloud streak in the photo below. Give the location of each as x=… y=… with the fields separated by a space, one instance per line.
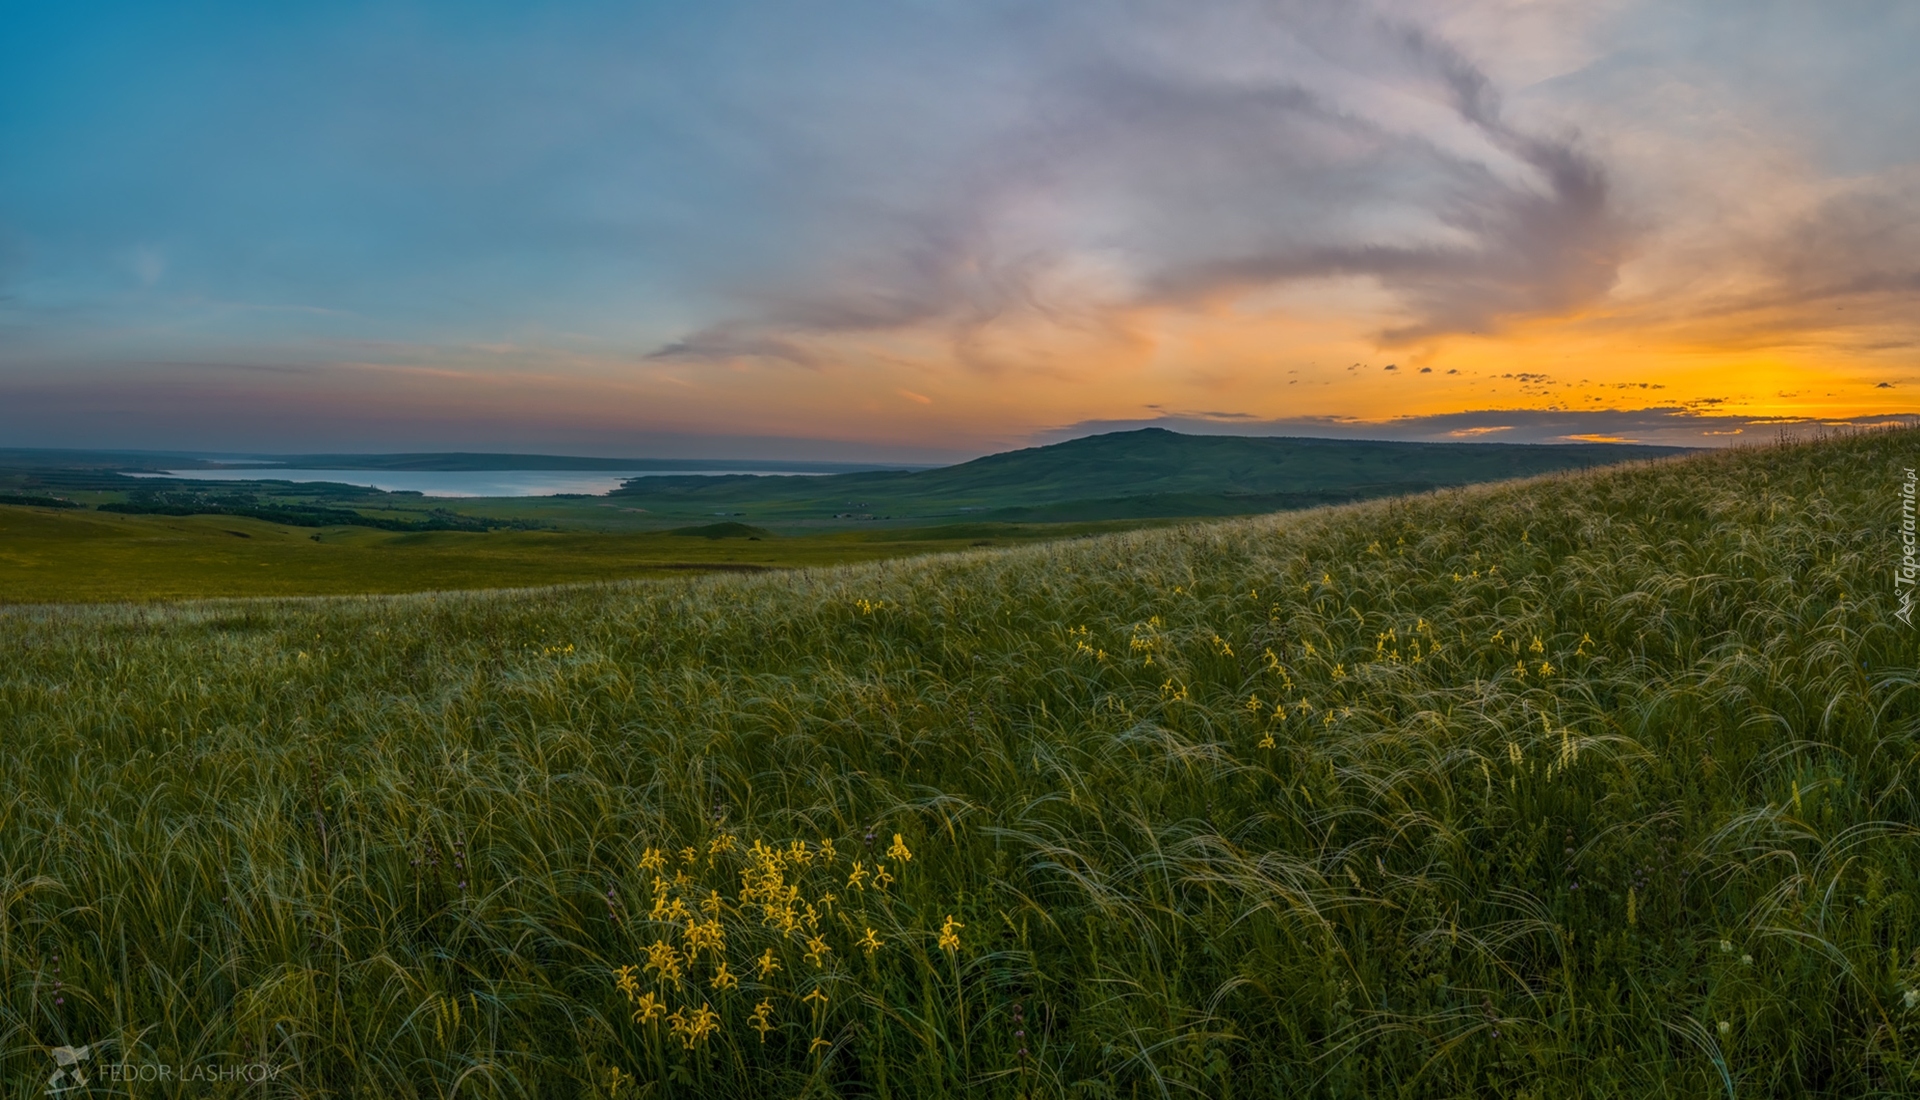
x=1136 y=179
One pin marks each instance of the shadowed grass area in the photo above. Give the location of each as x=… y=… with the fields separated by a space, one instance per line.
x=1596 y=785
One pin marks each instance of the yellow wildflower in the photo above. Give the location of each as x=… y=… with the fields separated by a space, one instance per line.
x=652 y=860
x=950 y=934
x=694 y=1029
x=816 y=952
x=869 y=943
x=648 y=1009
x=705 y=937
x=663 y=958
x=625 y=981
x=899 y=850
x=817 y=999
x=798 y=854
x=817 y=1044
x=827 y=854
x=762 y=1018
x=1267 y=742
x=881 y=878
x=857 y=880
x=768 y=964
x=689 y=855
x=723 y=978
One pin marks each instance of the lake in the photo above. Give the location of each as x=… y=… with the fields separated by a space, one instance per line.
x=460 y=483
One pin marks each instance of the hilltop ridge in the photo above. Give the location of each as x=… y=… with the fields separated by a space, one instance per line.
x=1141 y=473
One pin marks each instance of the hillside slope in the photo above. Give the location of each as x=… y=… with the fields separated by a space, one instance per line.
x=1600 y=785
x=1149 y=472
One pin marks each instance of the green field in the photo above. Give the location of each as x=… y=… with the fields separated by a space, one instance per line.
x=72 y=555
x=1597 y=785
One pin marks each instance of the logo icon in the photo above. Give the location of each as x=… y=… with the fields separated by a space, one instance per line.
x=1905 y=614
x=68 y=1073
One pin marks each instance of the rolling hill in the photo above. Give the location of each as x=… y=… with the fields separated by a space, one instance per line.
x=1149 y=472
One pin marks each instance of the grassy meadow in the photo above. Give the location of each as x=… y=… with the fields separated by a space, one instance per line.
x=77 y=556
x=1596 y=785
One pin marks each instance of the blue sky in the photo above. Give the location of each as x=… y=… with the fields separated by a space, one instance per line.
x=924 y=230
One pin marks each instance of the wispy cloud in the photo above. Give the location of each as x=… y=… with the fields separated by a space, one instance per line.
x=1142 y=177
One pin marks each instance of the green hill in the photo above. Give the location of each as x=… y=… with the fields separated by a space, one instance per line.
x=1149 y=472
x=1597 y=785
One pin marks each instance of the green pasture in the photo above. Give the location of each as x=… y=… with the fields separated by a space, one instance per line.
x=1596 y=785
x=75 y=555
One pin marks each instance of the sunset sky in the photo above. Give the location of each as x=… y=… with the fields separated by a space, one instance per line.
x=925 y=230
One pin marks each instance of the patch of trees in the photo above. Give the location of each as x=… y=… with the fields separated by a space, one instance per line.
x=303 y=515
x=36 y=502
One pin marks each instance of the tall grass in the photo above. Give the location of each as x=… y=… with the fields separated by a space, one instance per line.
x=1594 y=785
